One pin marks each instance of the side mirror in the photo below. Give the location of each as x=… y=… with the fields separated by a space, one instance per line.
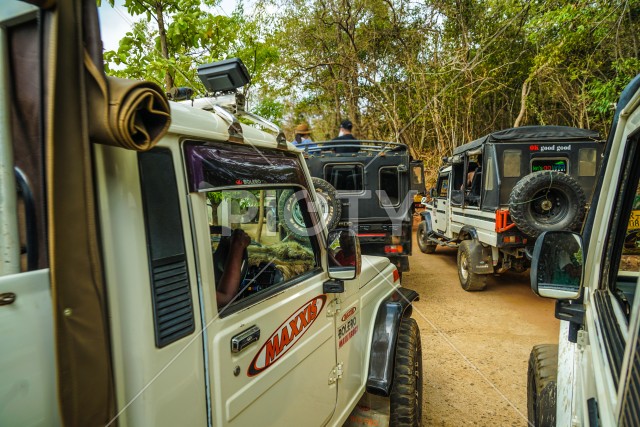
x=432 y=192
x=557 y=266
x=343 y=249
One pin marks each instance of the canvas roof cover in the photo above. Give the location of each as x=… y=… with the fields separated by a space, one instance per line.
x=533 y=134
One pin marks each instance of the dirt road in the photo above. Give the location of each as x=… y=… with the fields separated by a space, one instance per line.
x=475 y=344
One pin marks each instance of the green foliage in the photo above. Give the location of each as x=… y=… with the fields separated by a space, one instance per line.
x=434 y=75
x=270 y=109
x=193 y=35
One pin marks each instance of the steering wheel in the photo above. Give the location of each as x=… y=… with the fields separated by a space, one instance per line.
x=222 y=251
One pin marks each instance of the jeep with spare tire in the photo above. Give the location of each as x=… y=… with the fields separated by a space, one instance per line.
x=144 y=276
x=495 y=195
x=369 y=186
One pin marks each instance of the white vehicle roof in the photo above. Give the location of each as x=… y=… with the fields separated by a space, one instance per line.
x=198 y=123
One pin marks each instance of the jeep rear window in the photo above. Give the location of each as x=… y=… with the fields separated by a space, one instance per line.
x=222 y=165
x=390 y=184
x=587 y=162
x=511 y=163
x=344 y=177
x=556 y=164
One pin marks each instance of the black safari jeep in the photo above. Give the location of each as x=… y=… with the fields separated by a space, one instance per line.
x=496 y=194
x=370 y=188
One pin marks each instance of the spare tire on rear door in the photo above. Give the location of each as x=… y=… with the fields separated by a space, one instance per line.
x=329 y=208
x=547 y=200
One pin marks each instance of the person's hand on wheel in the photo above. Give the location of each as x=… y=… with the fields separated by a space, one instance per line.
x=239 y=240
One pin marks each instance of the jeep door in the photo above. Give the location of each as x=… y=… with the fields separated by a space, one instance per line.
x=441 y=204
x=271 y=350
x=607 y=374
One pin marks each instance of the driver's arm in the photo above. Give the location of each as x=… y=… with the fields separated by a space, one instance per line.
x=230 y=279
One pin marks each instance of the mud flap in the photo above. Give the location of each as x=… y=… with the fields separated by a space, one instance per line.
x=385 y=335
x=426 y=217
x=480 y=259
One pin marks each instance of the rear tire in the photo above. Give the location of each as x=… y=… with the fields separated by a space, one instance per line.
x=541 y=385
x=406 y=391
x=426 y=246
x=469 y=281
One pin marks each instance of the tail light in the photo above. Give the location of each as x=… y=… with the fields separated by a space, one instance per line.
x=393 y=249
x=513 y=239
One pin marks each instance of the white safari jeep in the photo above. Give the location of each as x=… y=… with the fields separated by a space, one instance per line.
x=592 y=377
x=116 y=210
x=495 y=195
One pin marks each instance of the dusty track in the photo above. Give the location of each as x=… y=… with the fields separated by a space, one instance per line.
x=475 y=345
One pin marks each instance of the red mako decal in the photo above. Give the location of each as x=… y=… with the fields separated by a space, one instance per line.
x=348 y=313
x=287 y=335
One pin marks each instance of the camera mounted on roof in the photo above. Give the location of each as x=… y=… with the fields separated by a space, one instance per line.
x=224 y=77
x=222 y=80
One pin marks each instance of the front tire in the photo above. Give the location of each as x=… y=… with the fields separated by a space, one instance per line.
x=541 y=385
x=425 y=245
x=469 y=281
x=406 y=391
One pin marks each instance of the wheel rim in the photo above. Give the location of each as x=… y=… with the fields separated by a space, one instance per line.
x=271 y=220
x=464 y=267
x=297 y=215
x=422 y=235
x=550 y=206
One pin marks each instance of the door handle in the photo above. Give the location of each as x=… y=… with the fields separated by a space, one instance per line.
x=244 y=338
x=7 y=298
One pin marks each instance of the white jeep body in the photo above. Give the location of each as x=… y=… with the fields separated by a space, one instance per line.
x=598 y=372
x=295 y=354
x=494 y=195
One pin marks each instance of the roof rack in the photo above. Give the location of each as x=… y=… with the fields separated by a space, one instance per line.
x=222 y=80
x=365 y=147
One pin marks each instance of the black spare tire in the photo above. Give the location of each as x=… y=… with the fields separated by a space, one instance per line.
x=545 y=201
x=329 y=206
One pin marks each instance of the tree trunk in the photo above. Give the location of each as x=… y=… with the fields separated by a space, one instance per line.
x=260 y=217
x=168 y=78
x=523 y=103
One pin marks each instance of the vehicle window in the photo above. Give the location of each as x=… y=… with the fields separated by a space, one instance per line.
x=587 y=162
x=417 y=173
x=489 y=174
x=390 y=184
x=443 y=186
x=457 y=175
x=280 y=246
x=630 y=258
x=344 y=177
x=511 y=163
x=549 y=164
x=615 y=300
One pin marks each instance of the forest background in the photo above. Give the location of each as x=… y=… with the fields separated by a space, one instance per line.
x=433 y=74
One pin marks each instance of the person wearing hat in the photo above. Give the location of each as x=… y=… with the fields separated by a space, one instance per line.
x=345 y=137
x=302 y=138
